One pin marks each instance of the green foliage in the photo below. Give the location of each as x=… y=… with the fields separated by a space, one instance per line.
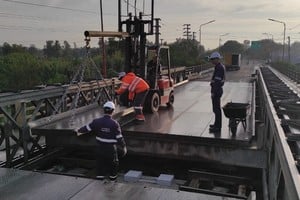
x=266 y=47
x=8 y=49
x=284 y=66
x=18 y=70
x=117 y=61
x=114 y=63
x=232 y=46
x=56 y=71
x=24 y=68
x=184 y=53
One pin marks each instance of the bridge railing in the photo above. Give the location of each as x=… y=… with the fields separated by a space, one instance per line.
x=17 y=109
x=291 y=71
x=191 y=72
x=281 y=177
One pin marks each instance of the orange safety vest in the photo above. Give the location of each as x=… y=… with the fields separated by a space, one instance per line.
x=134 y=84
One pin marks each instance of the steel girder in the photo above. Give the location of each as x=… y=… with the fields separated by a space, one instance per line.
x=18 y=109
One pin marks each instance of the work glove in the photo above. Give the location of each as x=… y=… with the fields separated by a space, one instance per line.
x=78 y=133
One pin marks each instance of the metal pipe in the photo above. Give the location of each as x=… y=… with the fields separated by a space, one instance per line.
x=102 y=43
x=105 y=34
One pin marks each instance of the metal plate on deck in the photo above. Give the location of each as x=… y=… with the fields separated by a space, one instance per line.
x=34 y=186
x=192 y=113
x=18 y=184
x=190 y=116
x=72 y=120
x=113 y=190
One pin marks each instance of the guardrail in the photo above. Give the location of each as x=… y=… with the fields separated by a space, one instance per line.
x=281 y=177
x=291 y=71
x=18 y=109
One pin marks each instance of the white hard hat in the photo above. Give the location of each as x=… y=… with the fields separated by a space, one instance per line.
x=121 y=74
x=109 y=105
x=215 y=55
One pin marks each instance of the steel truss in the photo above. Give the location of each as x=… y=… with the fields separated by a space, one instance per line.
x=18 y=109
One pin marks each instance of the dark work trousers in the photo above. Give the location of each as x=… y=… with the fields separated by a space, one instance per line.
x=152 y=79
x=107 y=162
x=216 y=104
x=139 y=102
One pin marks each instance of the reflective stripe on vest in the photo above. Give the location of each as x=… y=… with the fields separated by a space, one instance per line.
x=133 y=84
x=106 y=140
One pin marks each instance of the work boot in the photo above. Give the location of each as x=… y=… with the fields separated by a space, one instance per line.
x=215 y=130
x=113 y=177
x=140 y=118
x=100 y=177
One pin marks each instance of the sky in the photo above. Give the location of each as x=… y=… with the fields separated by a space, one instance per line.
x=33 y=22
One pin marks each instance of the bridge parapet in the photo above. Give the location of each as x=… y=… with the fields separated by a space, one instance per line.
x=281 y=177
x=18 y=109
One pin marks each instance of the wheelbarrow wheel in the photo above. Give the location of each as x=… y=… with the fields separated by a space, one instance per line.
x=233 y=126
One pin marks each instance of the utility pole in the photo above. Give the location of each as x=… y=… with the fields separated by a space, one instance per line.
x=187 y=31
x=157 y=33
x=221 y=39
x=284 y=29
x=201 y=27
x=101 y=43
x=289 y=48
x=194 y=35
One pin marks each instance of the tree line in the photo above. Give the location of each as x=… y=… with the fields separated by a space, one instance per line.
x=26 y=67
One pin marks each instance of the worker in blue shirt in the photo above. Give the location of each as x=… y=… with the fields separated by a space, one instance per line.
x=108 y=136
x=217 y=82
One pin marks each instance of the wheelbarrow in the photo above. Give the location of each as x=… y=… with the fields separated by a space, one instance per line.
x=236 y=112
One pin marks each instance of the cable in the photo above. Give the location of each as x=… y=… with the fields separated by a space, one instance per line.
x=10 y=15
x=49 y=6
x=28 y=28
x=133 y=6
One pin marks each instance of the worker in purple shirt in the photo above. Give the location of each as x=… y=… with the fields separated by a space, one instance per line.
x=108 y=136
x=217 y=82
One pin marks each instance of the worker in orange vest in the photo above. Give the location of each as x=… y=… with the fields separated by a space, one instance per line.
x=137 y=92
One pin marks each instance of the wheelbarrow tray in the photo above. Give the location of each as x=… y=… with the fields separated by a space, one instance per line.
x=236 y=110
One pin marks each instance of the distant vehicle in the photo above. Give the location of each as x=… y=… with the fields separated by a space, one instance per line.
x=232 y=61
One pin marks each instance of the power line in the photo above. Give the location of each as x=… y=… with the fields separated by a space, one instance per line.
x=49 y=6
x=3 y=14
x=133 y=6
x=29 y=28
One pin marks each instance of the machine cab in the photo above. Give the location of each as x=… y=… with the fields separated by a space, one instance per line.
x=158 y=75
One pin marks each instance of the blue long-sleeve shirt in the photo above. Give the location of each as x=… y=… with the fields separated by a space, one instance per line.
x=218 y=79
x=107 y=130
